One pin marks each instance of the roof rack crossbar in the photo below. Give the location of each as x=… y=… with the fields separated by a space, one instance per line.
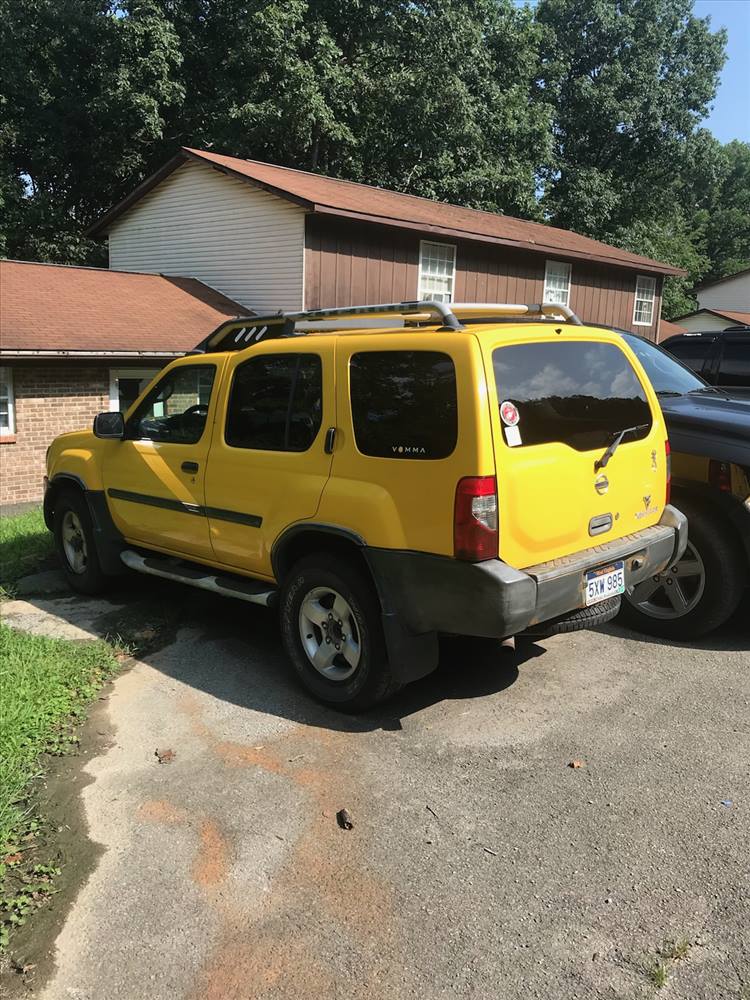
x=249 y=330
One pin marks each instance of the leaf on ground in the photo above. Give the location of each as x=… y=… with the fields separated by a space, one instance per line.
x=12 y=859
x=344 y=819
x=165 y=756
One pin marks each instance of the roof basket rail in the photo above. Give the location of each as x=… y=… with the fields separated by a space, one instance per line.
x=244 y=331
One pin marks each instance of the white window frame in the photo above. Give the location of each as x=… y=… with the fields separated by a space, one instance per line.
x=116 y=373
x=560 y=265
x=640 y=298
x=7 y=376
x=434 y=243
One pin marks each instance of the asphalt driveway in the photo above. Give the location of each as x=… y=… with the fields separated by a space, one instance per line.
x=480 y=864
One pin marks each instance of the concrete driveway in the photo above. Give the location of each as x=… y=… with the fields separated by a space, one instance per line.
x=480 y=864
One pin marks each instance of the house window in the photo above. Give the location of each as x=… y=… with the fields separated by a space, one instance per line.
x=557 y=283
x=7 y=409
x=126 y=385
x=645 y=293
x=437 y=271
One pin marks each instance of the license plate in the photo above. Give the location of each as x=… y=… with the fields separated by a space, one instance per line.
x=609 y=581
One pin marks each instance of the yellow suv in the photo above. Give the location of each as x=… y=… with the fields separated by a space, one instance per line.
x=384 y=474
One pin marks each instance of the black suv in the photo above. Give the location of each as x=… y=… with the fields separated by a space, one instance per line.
x=709 y=433
x=721 y=357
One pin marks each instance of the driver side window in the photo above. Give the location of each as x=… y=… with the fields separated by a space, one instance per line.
x=175 y=410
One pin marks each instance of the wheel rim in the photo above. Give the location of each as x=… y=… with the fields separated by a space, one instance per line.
x=674 y=592
x=329 y=634
x=74 y=542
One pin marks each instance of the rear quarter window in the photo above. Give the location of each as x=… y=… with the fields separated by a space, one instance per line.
x=404 y=404
x=578 y=393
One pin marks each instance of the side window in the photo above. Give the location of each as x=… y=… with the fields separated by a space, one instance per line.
x=276 y=403
x=735 y=363
x=691 y=351
x=404 y=404
x=175 y=410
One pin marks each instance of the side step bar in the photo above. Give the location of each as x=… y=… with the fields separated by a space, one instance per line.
x=201 y=577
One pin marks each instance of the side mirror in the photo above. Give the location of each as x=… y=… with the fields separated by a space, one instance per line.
x=109 y=425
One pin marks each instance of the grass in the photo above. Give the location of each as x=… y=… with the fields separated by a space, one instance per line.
x=24 y=543
x=46 y=685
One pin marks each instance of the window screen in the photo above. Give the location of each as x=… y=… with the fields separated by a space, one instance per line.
x=735 y=363
x=645 y=293
x=557 y=283
x=7 y=421
x=437 y=267
x=176 y=408
x=404 y=404
x=276 y=403
x=578 y=393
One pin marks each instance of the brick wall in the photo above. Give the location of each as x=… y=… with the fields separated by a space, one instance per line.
x=49 y=401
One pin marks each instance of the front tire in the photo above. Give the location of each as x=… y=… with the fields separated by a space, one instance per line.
x=697 y=594
x=75 y=544
x=332 y=632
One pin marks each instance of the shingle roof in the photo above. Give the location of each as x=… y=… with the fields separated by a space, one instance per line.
x=88 y=310
x=327 y=195
x=741 y=318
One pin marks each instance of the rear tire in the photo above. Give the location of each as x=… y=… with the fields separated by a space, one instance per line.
x=711 y=576
x=76 y=545
x=332 y=632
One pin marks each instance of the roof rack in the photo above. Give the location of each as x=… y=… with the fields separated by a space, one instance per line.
x=244 y=331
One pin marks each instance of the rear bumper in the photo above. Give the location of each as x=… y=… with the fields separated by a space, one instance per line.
x=426 y=593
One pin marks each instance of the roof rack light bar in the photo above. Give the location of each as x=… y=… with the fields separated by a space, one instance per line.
x=236 y=334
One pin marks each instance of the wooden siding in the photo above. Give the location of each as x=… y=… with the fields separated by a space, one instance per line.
x=199 y=223
x=353 y=263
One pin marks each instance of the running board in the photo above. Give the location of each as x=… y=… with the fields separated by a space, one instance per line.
x=201 y=577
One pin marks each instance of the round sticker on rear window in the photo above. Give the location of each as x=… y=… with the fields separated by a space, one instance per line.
x=509 y=413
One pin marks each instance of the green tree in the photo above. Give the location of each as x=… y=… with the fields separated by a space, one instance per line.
x=727 y=214
x=631 y=81
x=84 y=86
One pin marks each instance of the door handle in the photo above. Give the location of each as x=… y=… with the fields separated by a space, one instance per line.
x=189 y=466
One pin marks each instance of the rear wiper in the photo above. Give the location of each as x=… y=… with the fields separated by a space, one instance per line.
x=616 y=442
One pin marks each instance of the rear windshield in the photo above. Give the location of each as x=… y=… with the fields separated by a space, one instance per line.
x=577 y=393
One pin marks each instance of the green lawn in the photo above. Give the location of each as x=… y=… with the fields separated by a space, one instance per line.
x=24 y=544
x=45 y=687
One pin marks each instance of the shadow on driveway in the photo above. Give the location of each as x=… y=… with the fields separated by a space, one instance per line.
x=147 y=615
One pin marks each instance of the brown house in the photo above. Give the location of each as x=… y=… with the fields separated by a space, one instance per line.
x=275 y=238
x=75 y=341
x=210 y=236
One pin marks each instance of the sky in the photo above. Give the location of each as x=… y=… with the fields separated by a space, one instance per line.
x=730 y=118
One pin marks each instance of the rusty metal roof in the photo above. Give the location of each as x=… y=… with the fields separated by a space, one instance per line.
x=330 y=196
x=57 y=310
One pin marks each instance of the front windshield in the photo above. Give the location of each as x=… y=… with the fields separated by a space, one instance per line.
x=665 y=373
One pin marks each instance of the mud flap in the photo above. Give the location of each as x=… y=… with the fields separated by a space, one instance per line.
x=411 y=656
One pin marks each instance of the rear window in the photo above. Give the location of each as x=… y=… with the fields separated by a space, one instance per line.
x=692 y=352
x=577 y=393
x=404 y=404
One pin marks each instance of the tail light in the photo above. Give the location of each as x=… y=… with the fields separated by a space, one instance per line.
x=475 y=519
x=668 y=453
x=720 y=475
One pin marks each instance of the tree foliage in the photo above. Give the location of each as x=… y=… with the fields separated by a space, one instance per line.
x=583 y=112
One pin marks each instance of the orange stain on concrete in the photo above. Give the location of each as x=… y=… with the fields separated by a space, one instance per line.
x=160 y=811
x=211 y=862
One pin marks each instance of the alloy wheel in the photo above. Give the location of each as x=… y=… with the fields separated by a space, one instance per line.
x=329 y=633
x=74 y=542
x=675 y=591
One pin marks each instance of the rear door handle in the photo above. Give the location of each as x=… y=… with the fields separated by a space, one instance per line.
x=189 y=466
